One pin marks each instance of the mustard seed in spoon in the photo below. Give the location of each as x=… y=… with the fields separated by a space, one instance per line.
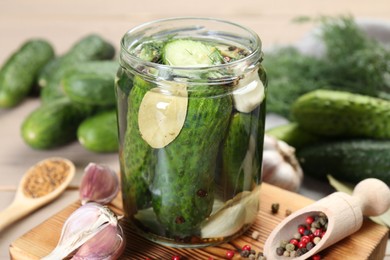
x=42 y=183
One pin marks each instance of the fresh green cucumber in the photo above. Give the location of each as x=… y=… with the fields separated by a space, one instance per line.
x=20 y=71
x=54 y=124
x=185 y=53
x=294 y=135
x=91 y=47
x=348 y=160
x=136 y=156
x=183 y=186
x=336 y=113
x=91 y=83
x=99 y=133
x=237 y=176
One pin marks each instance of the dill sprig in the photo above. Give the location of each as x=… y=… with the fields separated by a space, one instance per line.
x=352 y=62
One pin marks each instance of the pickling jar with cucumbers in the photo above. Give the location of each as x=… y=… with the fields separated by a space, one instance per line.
x=191 y=111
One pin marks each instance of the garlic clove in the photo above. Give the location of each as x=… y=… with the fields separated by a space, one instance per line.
x=233 y=215
x=99 y=184
x=280 y=166
x=249 y=93
x=108 y=244
x=84 y=223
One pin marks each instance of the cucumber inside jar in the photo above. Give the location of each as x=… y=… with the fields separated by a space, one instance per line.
x=174 y=158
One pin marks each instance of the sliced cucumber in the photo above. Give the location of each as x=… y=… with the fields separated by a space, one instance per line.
x=185 y=53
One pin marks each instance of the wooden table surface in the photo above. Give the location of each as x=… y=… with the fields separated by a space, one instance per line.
x=64 y=22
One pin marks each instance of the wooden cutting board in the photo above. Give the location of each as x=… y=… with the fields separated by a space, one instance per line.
x=368 y=243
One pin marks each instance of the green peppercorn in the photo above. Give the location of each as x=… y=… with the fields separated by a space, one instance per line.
x=316 y=240
x=322 y=221
x=316 y=224
x=297 y=235
x=290 y=247
x=283 y=243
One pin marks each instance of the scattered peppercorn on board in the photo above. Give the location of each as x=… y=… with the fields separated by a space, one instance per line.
x=368 y=243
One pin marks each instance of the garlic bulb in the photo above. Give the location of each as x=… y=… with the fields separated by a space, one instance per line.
x=106 y=245
x=83 y=224
x=99 y=184
x=280 y=166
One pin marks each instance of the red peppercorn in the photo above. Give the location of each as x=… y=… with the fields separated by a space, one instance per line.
x=246 y=247
x=309 y=220
x=302 y=244
x=229 y=254
x=294 y=241
x=305 y=239
x=176 y=257
x=301 y=229
x=317 y=232
x=210 y=258
x=316 y=257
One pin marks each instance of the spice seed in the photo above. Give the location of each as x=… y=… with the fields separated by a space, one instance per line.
x=255 y=235
x=275 y=208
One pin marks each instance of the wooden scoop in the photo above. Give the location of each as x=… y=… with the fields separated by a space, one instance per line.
x=370 y=197
x=41 y=184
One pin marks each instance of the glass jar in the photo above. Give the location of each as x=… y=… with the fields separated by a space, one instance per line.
x=191 y=129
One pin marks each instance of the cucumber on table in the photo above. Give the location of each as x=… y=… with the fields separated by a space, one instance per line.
x=91 y=83
x=54 y=124
x=337 y=113
x=19 y=73
x=89 y=48
x=294 y=135
x=99 y=133
x=348 y=160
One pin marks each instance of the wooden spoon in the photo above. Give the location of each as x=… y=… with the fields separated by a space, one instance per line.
x=42 y=183
x=370 y=197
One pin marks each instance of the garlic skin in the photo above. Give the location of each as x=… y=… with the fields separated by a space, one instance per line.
x=83 y=224
x=108 y=244
x=99 y=184
x=280 y=166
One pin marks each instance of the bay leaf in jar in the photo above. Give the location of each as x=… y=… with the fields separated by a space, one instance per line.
x=162 y=114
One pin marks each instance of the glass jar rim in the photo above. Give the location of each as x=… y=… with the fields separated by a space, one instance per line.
x=254 y=54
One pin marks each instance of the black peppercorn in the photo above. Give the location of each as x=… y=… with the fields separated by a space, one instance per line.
x=274 y=208
x=280 y=251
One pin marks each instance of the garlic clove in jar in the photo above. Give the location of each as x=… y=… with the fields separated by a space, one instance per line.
x=83 y=224
x=280 y=166
x=99 y=184
x=249 y=93
x=109 y=243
